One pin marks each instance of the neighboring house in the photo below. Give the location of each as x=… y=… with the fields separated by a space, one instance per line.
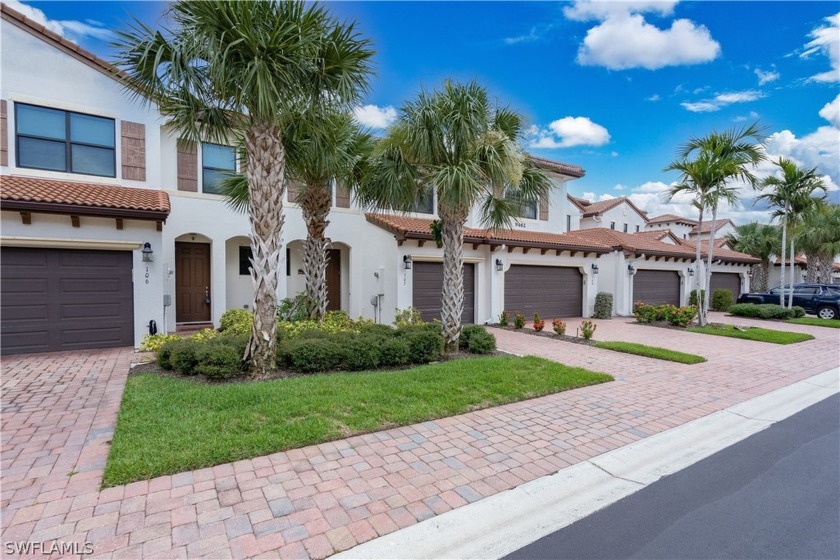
x=679 y=226
x=774 y=278
x=722 y=229
x=619 y=214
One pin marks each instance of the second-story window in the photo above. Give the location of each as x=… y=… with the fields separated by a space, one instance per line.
x=625 y=228
x=612 y=225
x=527 y=208
x=217 y=162
x=637 y=229
x=568 y=222
x=425 y=205
x=56 y=140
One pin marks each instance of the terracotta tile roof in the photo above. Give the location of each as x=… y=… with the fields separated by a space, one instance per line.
x=597 y=208
x=664 y=218
x=46 y=195
x=657 y=234
x=580 y=203
x=559 y=167
x=707 y=226
x=719 y=242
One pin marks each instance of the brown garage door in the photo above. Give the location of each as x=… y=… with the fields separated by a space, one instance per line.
x=65 y=299
x=727 y=280
x=656 y=287
x=551 y=291
x=428 y=286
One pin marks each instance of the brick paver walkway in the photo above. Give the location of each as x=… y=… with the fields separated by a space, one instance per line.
x=59 y=412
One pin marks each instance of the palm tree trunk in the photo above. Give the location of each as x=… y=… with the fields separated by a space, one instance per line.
x=812 y=268
x=709 y=261
x=792 y=273
x=265 y=169
x=452 y=302
x=826 y=268
x=315 y=203
x=784 y=243
x=698 y=264
x=763 y=276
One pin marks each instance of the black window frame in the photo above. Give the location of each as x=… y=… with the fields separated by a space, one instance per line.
x=637 y=229
x=68 y=141
x=568 y=222
x=245 y=256
x=424 y=204
x=612 y=225
x=219 y=169
x=626 y=228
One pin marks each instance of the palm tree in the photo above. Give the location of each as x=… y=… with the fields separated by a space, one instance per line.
x=452 y=141
x=761 y=241
x=792 y=195
x=324 y=147
x=819 y=239
x=730 y=156
x=237 y=69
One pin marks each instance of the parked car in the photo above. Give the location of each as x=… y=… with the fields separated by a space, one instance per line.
x=822 y=300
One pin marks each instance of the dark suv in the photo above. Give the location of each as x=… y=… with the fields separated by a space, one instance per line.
x=822 y=300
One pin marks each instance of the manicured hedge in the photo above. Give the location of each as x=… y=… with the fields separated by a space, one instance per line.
x=762 y=311
x=603 y=306
x=722 y=299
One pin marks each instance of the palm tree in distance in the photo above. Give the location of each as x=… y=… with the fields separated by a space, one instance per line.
x=791 y=195
x=760 y=241
x=455 y=143
x=233 y=70
x=819 y=238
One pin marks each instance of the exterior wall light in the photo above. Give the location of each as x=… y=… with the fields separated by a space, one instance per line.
x=594 y=268
x=147 y=252
x=690 y=271
x=407 y=262
x=500 y=266
x=631 y=269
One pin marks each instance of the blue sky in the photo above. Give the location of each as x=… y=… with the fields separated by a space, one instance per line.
x=614 y=87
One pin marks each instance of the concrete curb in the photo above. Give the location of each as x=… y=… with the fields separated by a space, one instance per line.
x=505 y=522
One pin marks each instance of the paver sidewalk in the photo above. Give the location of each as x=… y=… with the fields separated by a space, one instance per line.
x=59 y=412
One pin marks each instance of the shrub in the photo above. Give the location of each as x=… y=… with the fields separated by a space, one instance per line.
x=182 y=355
x=681 y=316
x=204 y=335
x=798 y=311
x=722 y=299
x=220 y=358
x=405 y=317
x=236 y=321
x=692 y=298
x=677 y=316
x=394 y=352
x=424 y=346
x=587 y=329
x=310 y=355
x=468 y=332
x=378 y=329
x=559 y=326
x=518 y=320
x=476 y=340
x=362 y=352
x=539 y=324
x=433 y=328
x=153 y=342
x=504 y=319
x=763 y=311
x=603 y=306
x=293 y=309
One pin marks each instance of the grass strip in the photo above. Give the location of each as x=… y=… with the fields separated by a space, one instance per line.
x=816 y=322
x=168 y=425
x=651 y=352
x=757 y=334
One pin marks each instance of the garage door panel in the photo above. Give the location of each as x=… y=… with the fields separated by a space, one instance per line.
x=727 y=280
x=427 y=281
x=550 y=291
x=656 y=287
x=64 y=299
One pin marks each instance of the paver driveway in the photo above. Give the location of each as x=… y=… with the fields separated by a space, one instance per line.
x=59 y=412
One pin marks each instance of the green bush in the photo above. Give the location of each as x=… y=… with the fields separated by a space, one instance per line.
x=518 y=320
x=362 y=352
x=293 y=309
x=311 y=355
x=220 y=358
x=798 y=311
x=394 y=352
x=182 y=355
x=236 y=322
x=603 y=305
x=466 y=333
x=154 y=342
x=677 y=316
x=762 y=311
x=424 y=346
x=587 y=329
x=504 y=319
x=378 y=329
x=692 y=298
x=722 y=299
x=433 y=328
x=481 y=342
x=405 y=317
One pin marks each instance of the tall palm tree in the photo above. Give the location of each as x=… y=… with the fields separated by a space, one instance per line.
x=760 y=241
x=731 y=156
x=237 y=69
x=819 y=239
x=454 y=142
x=325 y=147
x=791 y=196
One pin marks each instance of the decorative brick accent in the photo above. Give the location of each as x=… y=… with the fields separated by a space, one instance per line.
x=133 y=151
x=187 y=166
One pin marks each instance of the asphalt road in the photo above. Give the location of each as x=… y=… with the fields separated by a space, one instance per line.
x=774 y=495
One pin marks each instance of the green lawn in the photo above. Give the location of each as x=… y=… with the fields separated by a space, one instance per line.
x=651 y=352
x=168 y=425
x=816 y=322
x=760 y=335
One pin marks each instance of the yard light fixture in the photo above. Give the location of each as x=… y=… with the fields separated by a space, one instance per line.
x=631 y=269
x=407 y=262
x=500 y=266
x=147 y=252
x=594 y=268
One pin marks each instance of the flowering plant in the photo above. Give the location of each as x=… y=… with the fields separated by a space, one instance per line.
x=559 y=326
x=539 y=324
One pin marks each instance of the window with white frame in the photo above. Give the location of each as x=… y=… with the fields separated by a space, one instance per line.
x=57 y=140
x=568 y=222
x=217 y=162
x=526 y=208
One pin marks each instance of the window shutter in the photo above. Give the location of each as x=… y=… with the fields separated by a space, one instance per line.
x=4 y=135
x=544 y=209
x=342 y=197
x=187 y=166
x=133 y=151
x=293 y=190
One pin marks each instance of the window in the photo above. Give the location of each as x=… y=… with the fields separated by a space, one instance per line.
x=612 y=225
x=568 y=222
x=527 y=208
x=625 y=228
x=426 y=205
x=217 y=162
x=57 y=140
x=245 y=261
x=805 y=290
x=637 y=229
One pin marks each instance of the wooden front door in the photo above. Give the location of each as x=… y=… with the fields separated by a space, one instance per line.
x=333 y=280
x=192 y=282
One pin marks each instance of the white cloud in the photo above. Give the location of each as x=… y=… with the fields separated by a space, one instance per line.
x=619 y=187
x=375 y=117
x=585 y=10
x=654 y=97
x=536 y=33
x=568 y=132
x=831 y=112
x=752 y=116
x=70 y=29
x=722 y=100
x=825 y=40
x=625 y=40
x=765 y=77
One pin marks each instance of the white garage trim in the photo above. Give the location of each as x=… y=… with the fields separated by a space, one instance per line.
x=59 y=243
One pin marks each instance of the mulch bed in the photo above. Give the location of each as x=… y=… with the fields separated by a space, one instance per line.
x=549 y=334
